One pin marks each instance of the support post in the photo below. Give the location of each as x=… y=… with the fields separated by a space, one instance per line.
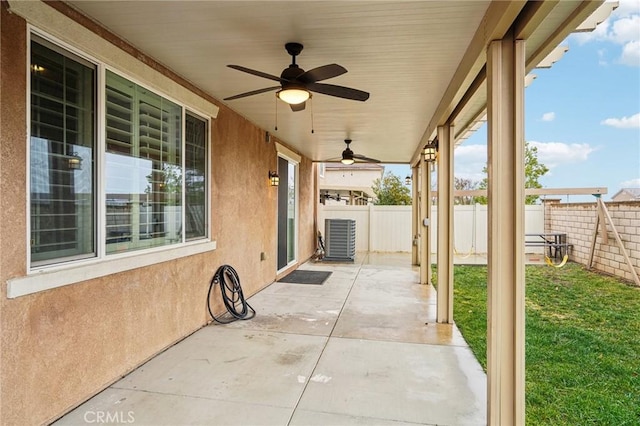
x=425 y=231
x=445 y=224
x=505 y=314
x=415 y=217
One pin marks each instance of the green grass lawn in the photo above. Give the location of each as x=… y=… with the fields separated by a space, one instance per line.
x=582 y=343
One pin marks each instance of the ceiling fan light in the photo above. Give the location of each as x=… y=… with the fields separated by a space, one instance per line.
x=347 y=161
x=293 y=96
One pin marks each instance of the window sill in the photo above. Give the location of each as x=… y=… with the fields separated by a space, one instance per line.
x=65 y=275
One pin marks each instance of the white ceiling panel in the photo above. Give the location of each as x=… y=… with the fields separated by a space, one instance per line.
x=404 y=53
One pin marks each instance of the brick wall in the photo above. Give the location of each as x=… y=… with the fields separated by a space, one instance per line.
x=578 y=220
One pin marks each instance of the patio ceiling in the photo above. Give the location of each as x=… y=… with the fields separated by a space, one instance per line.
x=417 y=59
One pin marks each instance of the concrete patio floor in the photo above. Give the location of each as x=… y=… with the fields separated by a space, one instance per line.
x=361 y=349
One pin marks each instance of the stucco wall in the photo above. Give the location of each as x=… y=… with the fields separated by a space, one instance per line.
x=578 y=221
x=61 y=346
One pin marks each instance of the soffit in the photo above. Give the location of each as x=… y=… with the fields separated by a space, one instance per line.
x=416 y=58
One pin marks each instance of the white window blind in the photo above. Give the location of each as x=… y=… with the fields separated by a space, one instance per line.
x=196 y=154
x=62 y=141
x=143 y=167
x=156 y=184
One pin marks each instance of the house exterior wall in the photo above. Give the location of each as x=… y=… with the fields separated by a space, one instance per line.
x=347 y=178
x=63 y=345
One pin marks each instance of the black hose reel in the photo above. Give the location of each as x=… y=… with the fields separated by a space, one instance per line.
x=232 y=296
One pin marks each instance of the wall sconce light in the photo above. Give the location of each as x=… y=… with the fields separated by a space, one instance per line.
x=75 y=162
x=407 y=180
x=274 y=178
x=430 y=151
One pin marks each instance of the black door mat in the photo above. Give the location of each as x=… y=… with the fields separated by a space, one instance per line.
x=305 y=277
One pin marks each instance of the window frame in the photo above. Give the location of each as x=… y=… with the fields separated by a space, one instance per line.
x=76 y=56
x=68 y=271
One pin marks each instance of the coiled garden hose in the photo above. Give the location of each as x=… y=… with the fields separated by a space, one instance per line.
x=232 y=296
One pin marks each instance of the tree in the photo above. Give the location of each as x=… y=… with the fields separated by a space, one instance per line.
x=533 y=170
x=464 y=185
x=390 y=191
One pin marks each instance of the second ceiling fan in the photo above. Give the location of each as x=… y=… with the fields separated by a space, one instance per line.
x=296 y=83
x=348 y=157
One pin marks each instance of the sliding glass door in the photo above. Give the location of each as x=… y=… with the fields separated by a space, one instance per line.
x=287 y=212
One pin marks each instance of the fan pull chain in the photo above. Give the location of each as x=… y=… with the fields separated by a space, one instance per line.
x=276 y=98
x=311 y=105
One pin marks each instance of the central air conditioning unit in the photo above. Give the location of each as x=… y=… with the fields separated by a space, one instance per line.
x=340 y=239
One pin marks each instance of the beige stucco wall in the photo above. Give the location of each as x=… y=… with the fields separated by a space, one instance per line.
x=61 y=346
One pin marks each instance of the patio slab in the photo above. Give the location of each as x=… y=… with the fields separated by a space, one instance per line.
x=424 y=384
x=361 y=349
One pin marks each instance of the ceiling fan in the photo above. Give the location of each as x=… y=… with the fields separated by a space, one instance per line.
x=348 y=157
x=296 y=83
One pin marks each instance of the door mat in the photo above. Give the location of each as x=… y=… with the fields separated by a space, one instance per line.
x=305 y=277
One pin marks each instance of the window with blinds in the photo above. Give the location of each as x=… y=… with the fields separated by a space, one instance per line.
x=62 y=142
x=196 y=135
x=143 y=167
x=154 y=163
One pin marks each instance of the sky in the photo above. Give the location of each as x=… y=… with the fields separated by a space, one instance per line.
x=582 y=114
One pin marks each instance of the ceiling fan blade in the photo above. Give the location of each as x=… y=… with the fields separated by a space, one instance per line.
x=251 y=93
x=362 y=157
x=254 y=72
x=322 y=73
x=297 y=107
x=338 y=91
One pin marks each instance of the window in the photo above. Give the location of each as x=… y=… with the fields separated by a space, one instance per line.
x=155 y=188
x=62 y=152
x=143 y=167
x=196 y=136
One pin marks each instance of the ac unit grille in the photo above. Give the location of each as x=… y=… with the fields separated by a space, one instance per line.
x=340 y=239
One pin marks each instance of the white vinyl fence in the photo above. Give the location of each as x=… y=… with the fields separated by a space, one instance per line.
x=388 y=228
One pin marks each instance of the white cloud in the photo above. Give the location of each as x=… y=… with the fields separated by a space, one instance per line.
x=631 y=54
x=469 y=161
x=633 y=183
x=548 y=116
x=627 y=7
x=625 y=30
x=469 y=154
x=553 y=154
x=632 y=122
x=620 y=28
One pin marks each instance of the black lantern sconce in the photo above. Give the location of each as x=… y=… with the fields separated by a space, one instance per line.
x=430 y=151
x=274 y=179
x=74 y=162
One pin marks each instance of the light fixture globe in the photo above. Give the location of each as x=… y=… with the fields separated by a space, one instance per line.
x=347 y=157
x=293 y=95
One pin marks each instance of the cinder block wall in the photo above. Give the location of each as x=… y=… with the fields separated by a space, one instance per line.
x=578 y=220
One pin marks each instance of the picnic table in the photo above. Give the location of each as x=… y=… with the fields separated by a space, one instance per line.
x=556 y=242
